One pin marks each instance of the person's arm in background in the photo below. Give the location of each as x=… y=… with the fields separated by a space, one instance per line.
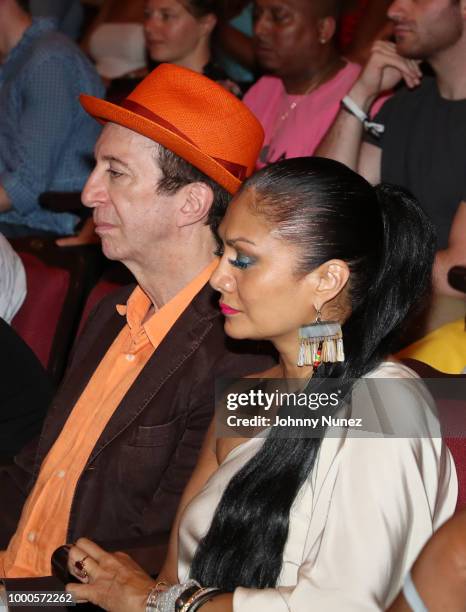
x=453 y=255
x=86 y=235
x=102 y=16
x=343 y=142
x=49 y=108
x=5 y=202
x=439 y=573
x=236 y=44
x=230 y=39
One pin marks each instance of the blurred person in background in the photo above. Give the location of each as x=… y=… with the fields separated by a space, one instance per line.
x=295 y=42
x=46 y=139
x=234 y=44
x=115 y=40
x=422 y=145
x=68 y=13
x=25 y=387
x=12 y=281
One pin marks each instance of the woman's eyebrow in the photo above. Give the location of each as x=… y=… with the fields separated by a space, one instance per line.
x=232 y=241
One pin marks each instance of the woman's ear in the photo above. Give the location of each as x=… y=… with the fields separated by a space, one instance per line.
x=328 y=281
x=208 y=23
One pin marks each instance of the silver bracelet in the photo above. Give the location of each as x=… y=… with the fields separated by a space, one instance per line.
x=164 y=601
x=375 y=129
x=411 y=595
x=151 y=601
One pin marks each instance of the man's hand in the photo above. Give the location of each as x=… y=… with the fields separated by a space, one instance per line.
x=384 y=69
x=86 y=235
x=112 y=581
x=5 y=202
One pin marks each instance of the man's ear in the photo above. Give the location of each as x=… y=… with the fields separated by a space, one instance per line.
x=197 y=198
x=326 y=27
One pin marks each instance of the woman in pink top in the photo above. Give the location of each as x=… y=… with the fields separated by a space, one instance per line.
x=296 y=45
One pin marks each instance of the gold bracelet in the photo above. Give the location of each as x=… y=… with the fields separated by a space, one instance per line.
x=195 y=596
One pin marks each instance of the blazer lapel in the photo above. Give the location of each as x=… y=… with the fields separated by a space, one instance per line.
x=179 y=344
x=96 y=343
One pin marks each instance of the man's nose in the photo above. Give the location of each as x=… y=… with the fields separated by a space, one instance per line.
x=93 y=192
x=396 y=10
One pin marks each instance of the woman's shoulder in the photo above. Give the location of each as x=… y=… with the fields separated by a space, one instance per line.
x=392 y=369
x=394 y=401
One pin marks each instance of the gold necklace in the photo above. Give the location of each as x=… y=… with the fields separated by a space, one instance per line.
x=280 y=119
x=315 y=83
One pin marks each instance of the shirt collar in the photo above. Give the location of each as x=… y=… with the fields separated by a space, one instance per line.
x=139 y=303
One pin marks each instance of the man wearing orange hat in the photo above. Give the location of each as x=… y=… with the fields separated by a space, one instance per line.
x=122 y=435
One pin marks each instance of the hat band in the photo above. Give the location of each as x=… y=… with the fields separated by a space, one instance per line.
x=237 y=170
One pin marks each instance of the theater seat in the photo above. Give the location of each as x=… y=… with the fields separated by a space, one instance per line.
x=58 y=282
x=37 y=320
x=451 y=405
x=457 y=448
x=116 y=275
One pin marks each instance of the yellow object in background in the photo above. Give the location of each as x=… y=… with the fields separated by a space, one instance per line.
x=444 y=349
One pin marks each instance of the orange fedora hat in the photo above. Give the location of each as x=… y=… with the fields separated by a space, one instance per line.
x=192 y=116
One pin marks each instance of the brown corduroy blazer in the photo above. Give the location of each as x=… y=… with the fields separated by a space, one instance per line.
x=128 y=493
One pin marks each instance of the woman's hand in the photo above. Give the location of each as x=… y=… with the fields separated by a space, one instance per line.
x=112 y=581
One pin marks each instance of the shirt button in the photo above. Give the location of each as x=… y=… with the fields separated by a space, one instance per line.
x=61 y=474
x=130 y=357
x=31 y=536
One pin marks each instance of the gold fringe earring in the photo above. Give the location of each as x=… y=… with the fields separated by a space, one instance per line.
x=320 y=342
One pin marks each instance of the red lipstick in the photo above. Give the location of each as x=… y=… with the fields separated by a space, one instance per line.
x=228 y=310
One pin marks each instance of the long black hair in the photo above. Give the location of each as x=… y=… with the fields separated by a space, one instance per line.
x=328 y=211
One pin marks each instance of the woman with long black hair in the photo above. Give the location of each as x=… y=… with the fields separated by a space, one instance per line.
x=291 y=522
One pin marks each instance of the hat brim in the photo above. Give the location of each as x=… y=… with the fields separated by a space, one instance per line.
x=105 y=111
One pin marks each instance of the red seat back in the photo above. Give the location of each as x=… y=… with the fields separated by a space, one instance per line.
x=457 y=448
x=448 y=391
x=37 y=320
x=103 y=288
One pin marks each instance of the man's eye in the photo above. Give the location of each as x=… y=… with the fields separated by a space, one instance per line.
x=114 y=174
x=279 y=16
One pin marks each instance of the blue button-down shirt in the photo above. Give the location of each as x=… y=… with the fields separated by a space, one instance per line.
x=46 y=138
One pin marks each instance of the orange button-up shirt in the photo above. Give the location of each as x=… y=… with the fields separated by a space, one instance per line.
x=44 y=521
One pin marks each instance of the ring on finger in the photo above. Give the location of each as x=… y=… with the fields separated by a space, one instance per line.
x=81 y=568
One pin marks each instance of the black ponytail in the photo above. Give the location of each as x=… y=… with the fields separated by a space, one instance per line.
x=328 y=211
x=400 y=285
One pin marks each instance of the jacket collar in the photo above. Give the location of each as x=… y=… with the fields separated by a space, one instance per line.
x=181 y=342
